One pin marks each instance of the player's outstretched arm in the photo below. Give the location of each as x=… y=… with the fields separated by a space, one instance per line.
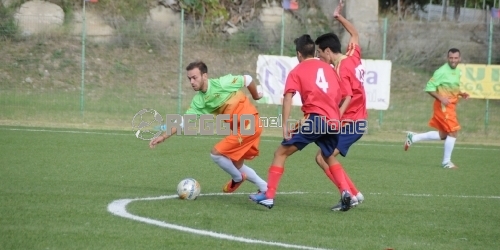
x=252 y=87
x=162 y=138
x=347 y=25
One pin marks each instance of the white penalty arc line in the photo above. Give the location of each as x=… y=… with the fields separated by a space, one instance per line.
x=119 y=208
x=487 y=148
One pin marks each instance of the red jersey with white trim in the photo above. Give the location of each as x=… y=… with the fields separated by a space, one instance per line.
x=352 y=73
x=319 y=88
x=345 y=87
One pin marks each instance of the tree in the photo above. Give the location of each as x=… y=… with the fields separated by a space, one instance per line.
x=458 y=5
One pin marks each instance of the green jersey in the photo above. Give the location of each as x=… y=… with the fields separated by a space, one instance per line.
x=446 y=82
x=219 y=91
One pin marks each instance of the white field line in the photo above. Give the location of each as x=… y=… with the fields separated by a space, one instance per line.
x=118 y=208
x=414 y=195
x=445 y=195
x=488 y=148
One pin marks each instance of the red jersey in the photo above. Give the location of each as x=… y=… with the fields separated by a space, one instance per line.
x=352 y=73
x=319 y=88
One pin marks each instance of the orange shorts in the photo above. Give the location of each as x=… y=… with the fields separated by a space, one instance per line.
x=237 y=147
x=444 y=118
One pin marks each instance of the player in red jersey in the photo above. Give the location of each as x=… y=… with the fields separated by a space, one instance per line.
x=320 y=94
x=354 y=117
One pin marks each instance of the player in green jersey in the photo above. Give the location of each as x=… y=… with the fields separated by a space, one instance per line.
x=224 y=96
x=444 y=87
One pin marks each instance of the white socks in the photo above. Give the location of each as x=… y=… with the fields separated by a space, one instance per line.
x=227 y=165
x=429 y=136
x=254 y=178
x=449 y=143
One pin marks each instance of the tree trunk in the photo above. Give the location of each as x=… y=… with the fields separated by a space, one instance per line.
x=445 y=10
x=399 y=9
x=458 y=5
x=444 y=14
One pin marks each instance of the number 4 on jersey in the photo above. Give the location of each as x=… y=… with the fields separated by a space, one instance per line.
x=321 y=80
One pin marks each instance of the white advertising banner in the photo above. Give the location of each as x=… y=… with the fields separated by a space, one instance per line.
x=273 y=70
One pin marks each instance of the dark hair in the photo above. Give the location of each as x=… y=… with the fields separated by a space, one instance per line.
x=329 y=40
x=453 y=50
x=198 y=64
x=305 y=45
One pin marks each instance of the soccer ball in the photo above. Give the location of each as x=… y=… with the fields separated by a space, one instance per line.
x=188 y=189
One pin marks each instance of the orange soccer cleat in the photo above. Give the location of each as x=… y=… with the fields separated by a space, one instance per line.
x=231 y=185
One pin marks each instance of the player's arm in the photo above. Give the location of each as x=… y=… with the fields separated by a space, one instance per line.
x=252 y=87
x=232 y=83
x=345 y=90
x=347 y=25
x=464 y=95
x=437 y=97
x=344 y=104
x=291 y=87
x=193 y=110
x=285 y=111
x=433 y=84
x=163 y=136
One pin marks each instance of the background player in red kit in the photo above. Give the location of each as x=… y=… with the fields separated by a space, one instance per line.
x=351 y=71
x=321 y=94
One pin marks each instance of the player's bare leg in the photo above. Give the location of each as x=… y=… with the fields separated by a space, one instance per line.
x=322 y=164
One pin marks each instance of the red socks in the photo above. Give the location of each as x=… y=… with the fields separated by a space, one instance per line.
x=330 y=176
x=354 y=190
x=339 y=177
x=335 y=173
x=273 y=179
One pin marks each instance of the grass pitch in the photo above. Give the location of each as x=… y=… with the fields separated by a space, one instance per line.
x=56 y=185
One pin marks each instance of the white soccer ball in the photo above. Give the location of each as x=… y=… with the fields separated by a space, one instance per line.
x=188 y=189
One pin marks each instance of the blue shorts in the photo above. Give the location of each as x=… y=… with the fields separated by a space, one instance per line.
x=315 y=128
x=350 y=133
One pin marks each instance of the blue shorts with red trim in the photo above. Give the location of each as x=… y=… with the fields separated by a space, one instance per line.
x=317 y=129
x=350 y=133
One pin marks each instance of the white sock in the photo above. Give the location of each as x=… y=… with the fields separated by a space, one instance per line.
x=429 y=136
x=227 y=165
x=254 y=178
x=449 y=143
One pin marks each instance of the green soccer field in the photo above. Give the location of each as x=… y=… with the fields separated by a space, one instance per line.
x=87 y=189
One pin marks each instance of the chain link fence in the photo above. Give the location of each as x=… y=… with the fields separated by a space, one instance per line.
x=94 y=79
